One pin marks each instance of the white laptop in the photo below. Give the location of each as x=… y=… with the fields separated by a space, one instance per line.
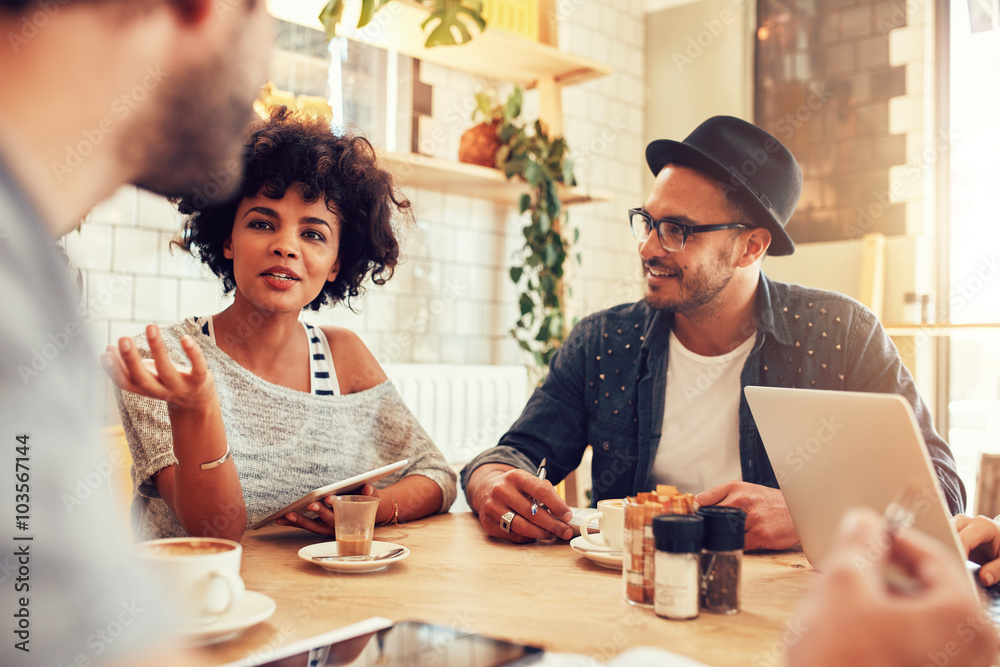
x=834 y=450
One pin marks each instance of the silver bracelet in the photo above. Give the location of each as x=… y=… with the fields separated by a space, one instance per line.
x=217 y=462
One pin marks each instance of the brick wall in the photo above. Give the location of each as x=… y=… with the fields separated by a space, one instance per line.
x=825 y=85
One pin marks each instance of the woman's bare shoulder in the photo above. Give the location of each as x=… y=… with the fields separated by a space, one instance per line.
x=356 y=366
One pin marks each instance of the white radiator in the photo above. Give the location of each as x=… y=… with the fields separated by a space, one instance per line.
x=465 y=409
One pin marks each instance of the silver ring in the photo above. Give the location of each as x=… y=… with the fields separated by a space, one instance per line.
x=505 y=521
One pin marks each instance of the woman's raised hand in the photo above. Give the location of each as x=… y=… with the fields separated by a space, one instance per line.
x=182 y=388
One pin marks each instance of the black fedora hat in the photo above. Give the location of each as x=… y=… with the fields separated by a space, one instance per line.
x=744 y=158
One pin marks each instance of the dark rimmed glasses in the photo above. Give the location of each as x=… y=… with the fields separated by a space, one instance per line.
x=672 y=233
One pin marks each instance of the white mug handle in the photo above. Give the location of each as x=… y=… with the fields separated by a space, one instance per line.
x=235 y=587
x=585 y=531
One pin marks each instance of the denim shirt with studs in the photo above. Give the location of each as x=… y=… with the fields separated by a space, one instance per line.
x=607 y=385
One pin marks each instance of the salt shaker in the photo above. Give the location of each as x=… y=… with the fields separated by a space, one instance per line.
x=722 y=558
x=678 y=547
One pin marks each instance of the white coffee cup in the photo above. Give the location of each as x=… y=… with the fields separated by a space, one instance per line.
x=611 y=521
x=203 y=573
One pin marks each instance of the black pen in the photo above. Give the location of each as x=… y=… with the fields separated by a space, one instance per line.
x=540 y=474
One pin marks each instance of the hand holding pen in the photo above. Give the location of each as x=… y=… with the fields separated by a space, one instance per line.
x=503 y=495
x=540 y=474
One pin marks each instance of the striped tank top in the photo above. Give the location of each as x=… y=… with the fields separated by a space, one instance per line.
x=322 y=375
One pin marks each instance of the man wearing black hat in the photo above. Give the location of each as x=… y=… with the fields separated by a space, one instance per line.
x=655 y=387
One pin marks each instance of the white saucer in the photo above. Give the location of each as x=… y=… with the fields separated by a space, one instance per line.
x=603 y=556
x=255 y=608
x=348 y=566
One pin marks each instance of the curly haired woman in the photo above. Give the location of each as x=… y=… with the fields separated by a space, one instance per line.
x=294 y=406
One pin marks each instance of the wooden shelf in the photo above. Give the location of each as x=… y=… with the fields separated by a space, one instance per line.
x=431 y=173
x=938 y=329
x=493 y=52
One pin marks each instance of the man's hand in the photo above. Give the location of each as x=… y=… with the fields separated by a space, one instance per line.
x=769 y=526
x=855 y=617
x=981 y=540
x=495 y=489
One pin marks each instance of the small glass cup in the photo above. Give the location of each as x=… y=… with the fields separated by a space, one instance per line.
x=354 y=526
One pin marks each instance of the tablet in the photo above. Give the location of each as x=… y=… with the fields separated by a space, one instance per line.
x=343 y=486
x=403 y=644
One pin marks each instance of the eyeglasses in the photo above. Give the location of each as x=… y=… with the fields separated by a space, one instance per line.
x=672 y=234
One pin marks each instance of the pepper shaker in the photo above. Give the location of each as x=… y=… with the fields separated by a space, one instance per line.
x=722 y=558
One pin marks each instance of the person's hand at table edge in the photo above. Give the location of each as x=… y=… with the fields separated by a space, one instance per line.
x=980 y=539
x=856 y=617
x=769 y=525
x=502 y=495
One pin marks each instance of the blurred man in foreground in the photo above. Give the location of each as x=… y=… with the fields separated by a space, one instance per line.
x=95 y=95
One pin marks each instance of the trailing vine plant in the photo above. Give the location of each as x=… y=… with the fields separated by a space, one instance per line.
x=530 y=153
x=450 y=15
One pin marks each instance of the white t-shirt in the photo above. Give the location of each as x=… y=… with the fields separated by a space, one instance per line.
x=700 y=441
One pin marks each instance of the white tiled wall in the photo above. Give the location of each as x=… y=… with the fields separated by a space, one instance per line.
x=451 y=300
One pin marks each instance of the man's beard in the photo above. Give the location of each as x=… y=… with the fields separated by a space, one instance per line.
x=193 y=143
x=695 y=289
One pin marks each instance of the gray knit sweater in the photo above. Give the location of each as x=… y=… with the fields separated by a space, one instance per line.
x=284 y=443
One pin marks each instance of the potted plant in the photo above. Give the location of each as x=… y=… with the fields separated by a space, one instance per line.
x=528 y=153
x=450 y=16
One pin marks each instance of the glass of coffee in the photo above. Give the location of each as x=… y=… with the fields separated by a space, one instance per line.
x=354 y=518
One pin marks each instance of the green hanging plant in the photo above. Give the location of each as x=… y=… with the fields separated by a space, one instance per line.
x=451 y=17
x=527 y=152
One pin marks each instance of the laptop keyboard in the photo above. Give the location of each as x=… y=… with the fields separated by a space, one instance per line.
x=993 y=602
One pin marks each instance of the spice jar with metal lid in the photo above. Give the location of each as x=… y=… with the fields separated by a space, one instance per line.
x=678 y=546
x=722 y=558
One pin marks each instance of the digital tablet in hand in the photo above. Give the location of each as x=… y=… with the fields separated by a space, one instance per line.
x=337 y=488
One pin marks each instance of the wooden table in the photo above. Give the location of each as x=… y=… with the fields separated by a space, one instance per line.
x=543 y=594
